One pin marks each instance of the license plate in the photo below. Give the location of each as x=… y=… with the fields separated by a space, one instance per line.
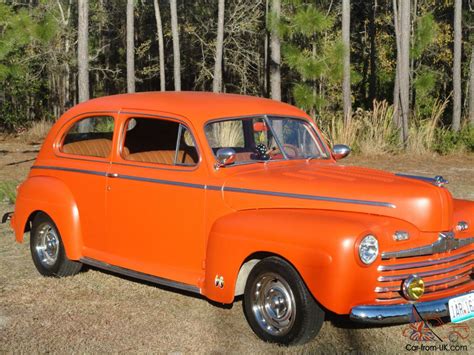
x=461 y=308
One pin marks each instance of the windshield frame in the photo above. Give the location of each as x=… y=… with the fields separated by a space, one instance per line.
x=320 y=143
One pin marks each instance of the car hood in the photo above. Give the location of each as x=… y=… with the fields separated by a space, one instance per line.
x=331 y=186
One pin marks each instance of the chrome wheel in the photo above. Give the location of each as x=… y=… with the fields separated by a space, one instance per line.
x=273 y=304
x=47 y=245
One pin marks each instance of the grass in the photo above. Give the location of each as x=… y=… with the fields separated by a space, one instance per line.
x=38 y=131
x=369 y=132
x=423 y=133
x=8 y=191
x=372 y=132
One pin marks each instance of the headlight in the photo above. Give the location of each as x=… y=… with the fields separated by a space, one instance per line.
x=368 y=249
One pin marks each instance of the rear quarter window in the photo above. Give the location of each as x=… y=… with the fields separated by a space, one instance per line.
x=91 y=136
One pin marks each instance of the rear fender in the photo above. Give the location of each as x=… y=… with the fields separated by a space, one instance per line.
x=51 y=196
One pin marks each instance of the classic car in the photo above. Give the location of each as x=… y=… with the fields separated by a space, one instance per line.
x=226 y=196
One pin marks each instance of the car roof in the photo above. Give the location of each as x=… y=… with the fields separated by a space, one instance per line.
x=199 y=107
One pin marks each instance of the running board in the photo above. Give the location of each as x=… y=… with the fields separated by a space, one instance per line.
x=140 y=275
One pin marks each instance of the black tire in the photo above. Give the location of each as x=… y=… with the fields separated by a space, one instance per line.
x=47 y=249
x=289 y=314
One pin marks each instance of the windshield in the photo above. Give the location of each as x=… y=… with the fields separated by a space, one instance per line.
x=266 y=138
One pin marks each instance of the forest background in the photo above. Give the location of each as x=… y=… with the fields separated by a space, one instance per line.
x=380 y=76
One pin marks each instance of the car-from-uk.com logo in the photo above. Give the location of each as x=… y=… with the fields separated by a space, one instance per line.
x=432 y=334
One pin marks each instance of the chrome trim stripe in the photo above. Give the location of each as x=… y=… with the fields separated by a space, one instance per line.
x=81 y=171
x=140 y=275
x=163 y=182
x=425 y=273
x=229 y=189
x=445 y=242
x=401 y=313
x=446 y=280
x=379 y=289
x=461 y=281
x=425 y=263
x=310 y=197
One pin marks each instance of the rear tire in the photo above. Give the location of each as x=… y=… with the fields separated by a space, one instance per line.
x=47 y=249
x=278 y=306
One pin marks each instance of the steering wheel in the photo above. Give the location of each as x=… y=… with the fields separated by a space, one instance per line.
x=290 y=150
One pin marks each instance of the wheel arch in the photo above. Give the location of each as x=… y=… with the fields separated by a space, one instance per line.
x=249 y=263
x=49 y=195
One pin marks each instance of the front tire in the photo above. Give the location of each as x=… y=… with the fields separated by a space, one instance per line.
x=278 y=306
x=47 y=249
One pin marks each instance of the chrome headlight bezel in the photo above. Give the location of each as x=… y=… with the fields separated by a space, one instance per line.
x=368 y=249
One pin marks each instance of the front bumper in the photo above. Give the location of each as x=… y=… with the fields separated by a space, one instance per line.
x=402 y=313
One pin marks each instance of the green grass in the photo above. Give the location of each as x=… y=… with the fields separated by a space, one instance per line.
x=8 y=191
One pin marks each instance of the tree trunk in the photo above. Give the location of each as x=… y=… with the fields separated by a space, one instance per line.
x=161 y=50
x=456 y=124
x=373 y=54
x=404 y=66
x=176 y=54
x=346 y=81
x=217 y=81
x=266 y=79
x=275 y=55
x=471 y=89
x=83 y=50
x=130 y=47
x=396 y=86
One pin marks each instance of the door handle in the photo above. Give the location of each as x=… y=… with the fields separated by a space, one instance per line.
x=112 y=175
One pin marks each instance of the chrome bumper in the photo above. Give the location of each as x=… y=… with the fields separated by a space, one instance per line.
x=401 y=313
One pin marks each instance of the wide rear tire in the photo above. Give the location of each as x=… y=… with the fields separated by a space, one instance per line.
x=47 y=249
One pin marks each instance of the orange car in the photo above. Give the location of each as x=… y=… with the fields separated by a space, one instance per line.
x=228 y=195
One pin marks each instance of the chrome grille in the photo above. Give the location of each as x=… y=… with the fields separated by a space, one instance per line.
x=446 y=269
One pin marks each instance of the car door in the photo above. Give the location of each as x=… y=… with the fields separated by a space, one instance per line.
x=83 y=154
x=155 y=200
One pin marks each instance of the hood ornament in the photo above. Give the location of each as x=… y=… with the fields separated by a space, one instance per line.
x=440 y=181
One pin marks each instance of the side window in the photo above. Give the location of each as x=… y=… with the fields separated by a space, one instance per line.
x=90 y=136
x=225 y=134
x=158 y=141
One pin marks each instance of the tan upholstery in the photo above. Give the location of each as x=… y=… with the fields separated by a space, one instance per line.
x=93 y=147
x=243 y=156
x=160 y=157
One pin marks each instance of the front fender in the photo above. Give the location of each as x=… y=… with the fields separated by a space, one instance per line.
x=51 y=196
x=319 y=244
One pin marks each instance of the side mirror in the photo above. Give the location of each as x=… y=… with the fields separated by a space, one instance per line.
x=340 y=151
x=225 y=156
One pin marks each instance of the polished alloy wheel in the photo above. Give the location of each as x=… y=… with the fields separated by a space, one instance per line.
x=273 y=304
x=47 y=245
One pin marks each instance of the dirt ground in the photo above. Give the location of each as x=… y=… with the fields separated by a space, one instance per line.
x=97 y=311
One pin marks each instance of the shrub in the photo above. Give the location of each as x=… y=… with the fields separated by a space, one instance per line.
x=448 y=142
